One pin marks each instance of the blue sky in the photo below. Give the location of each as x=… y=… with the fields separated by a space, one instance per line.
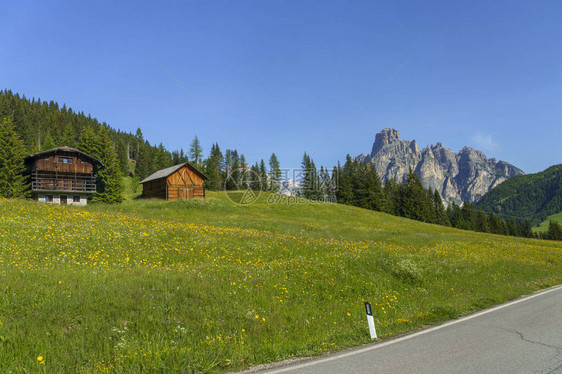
x=281 y=76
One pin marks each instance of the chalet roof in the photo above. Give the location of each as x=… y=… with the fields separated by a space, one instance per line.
x=64 y=150
x=163 y=173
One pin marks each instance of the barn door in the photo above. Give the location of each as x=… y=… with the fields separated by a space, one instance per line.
x=185 y=193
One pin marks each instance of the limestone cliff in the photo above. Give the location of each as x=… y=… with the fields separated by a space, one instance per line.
x=463 y=176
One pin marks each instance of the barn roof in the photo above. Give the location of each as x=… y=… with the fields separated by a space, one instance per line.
x=163 y=173
x=64 y=150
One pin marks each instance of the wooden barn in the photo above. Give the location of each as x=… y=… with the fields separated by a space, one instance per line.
x=181 y=181
x=62 y=175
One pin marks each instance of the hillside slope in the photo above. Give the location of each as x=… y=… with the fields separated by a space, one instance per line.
x=208 y=286
x=532 y=196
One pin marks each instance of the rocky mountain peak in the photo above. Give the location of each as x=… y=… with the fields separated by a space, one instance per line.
x=385 y=137
x=463 y=176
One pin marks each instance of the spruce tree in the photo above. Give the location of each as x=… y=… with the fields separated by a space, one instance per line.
x=69 y=136
x=525 y=229
x=554 y=231
x=12 y=152
x=48 y=143
x=469 y=216
x=413 y=198
x=344 y=192
x=275 y=173
x=109 y=185
x=88 y=142
x=481 y=222
x=195 y=151
x=214 y=169
x=264 y=179
x=142 y=169
x=440 y=214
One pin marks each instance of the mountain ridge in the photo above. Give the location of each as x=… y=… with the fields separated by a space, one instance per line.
x=464 y=176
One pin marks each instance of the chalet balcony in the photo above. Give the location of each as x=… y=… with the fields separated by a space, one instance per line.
x=55 y=182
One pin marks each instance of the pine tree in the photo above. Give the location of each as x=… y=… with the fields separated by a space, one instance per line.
x=88 y=143
x=275 y=173
x=12 y=152
x=48 y=143
x=391 y=197
x=413 y=198
x=481 y=222
x=469 y=216
x=263 y=176
x=243 y=174
x=232 y=182
x=554 y=231
x=195 y=151
x=440 y=214
x=213 y=169
x=142 y=168
x=109 y=185
x=497 y=226
x=344 y=192
x=525 y=229
x=69 y=136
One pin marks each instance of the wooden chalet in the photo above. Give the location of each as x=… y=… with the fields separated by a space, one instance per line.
x=62 y=175
x=181 y=182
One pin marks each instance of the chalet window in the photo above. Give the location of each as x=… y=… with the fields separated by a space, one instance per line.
x=65 y=160
x=75 y=199
x=48 y=198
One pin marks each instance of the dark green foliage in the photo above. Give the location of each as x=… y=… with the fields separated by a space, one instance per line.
x=497 y=225
x=414 y=202
x=344 y=192
x=48 y=143
x=109 y=185
x=45 y=125
x=481 y=224
x=439 y=210
x=263 y=176
x=468 y=216
x=532 y=196
x=274 y=172
x=12 y=152
x=554 y=231
x=525 y=229
x=69 y=136
x=88 y=142
x=511 y=227
x=142 y=167
x=196 y=152
x=214 y=169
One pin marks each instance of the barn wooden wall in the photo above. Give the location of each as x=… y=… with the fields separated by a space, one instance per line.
x=184 y=184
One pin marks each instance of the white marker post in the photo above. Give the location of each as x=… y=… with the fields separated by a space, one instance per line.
x=370 y=320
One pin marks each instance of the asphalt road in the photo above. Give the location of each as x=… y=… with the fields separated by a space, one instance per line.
x=523 y=336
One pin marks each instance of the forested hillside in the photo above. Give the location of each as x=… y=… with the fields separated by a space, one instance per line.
x=532 y=196
x=44 y=125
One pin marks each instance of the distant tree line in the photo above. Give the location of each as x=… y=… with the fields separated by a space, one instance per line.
x=358 y=184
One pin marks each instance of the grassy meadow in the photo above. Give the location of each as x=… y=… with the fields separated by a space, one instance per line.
x=543 y=227
x=210 y=286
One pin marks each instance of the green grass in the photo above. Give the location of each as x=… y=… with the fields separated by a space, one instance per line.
x=543 y=227
x=210 y=286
